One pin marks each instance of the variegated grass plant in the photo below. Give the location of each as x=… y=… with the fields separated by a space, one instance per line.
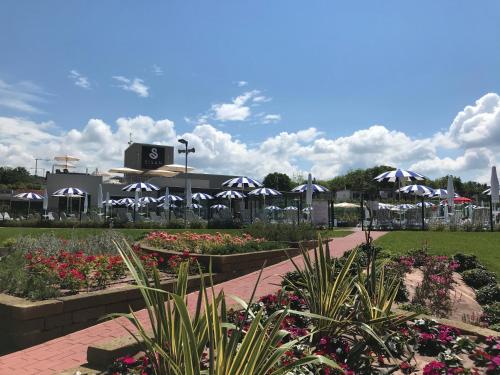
x=205 y=342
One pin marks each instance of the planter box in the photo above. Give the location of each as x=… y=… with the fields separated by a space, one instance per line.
x=233 y=265
x=24 y=323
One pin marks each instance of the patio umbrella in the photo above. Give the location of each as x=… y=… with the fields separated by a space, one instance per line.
x=405 y=206
x=420 y=190
x=147 y=200
x=218 y=207
x=171 y=198
x=69 y=193
x=99 y=198
x=290 y=208
x=273 y=208
x=196 y=205
x=346 y=205
x=241 y=182
x=125 y=201
x=314 y=187
x=230 y=194
x=86 y=204
x=417 y=190
x=29 y=197
x=136 y=203
x=426 y=204
x=202 y=196
x=264 y=191
x=141 y=186
x=399 y=175
x=45 y=202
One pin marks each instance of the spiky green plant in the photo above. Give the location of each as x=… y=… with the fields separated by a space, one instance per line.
x=177 y=340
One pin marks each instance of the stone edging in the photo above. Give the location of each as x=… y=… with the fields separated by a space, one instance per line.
x=26 y=323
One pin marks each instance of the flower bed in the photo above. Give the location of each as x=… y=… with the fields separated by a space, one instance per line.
x=331 y=316
x=215 y=244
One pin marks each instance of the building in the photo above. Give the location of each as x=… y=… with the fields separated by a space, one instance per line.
x=139 y=156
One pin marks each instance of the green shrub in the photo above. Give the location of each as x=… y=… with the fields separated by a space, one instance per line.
x=467 y=262
x=488 y=294
x=491 y=314
x=197 y=224
x=282 y=232
x=224 y=224
x=477 y=278
x=14 y=280
x=8 y=242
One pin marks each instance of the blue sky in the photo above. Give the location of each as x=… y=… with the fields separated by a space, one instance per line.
x=337 y=67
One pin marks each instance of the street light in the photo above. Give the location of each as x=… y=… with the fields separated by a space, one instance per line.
x=186 y=151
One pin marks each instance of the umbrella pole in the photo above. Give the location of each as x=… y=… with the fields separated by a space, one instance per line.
x=29 y=203
x=423 y=214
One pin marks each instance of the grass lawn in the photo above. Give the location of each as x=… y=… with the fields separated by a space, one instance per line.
x=134 y=234
x=485 y=245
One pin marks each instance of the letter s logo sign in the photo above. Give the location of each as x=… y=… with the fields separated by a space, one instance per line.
x=153 y=154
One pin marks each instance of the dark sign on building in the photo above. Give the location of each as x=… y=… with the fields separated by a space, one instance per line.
x=152 y=157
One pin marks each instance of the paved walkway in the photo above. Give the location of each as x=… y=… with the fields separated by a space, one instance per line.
x=70 y=351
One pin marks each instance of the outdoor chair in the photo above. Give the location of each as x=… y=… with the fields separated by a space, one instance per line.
x=6 y=216
x=1 y=216
x=154 y=217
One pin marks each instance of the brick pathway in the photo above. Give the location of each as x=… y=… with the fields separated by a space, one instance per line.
x=70 y=351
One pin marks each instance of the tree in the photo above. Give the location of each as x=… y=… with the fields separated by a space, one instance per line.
x=278 y=181
x=17 y=178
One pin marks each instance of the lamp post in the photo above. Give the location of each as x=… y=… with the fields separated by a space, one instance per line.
x=186 y=151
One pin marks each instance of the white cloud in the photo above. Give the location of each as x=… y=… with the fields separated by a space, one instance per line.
x=237 y=110
x=261 y=99
x=79 y=80
x=135 y=85
x=271 y=118
x=101 y=145
x=477 y=125
x=157 y=70
x=22 y=96
x=242 y=83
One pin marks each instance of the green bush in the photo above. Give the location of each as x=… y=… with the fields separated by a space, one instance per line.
x=477 y=278
x=223 y=224
x=282 y=232
x=491 y=315
x=488 y=294
x=14 y=280
x=467 y=262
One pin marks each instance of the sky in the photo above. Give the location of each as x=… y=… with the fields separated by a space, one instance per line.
x=256 y=87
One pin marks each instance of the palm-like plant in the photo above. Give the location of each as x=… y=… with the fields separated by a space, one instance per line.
x=341 y=301
x=178 y=341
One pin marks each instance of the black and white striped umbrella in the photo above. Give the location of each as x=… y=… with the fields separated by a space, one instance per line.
x=125 y=201
x=219 y=207
x=29 y=196
x=230 y=194
x=69 y=192
x=202 y=196
x=196 y=205
x=290 y=208
x=264 y=191
x=111 y=202
x=141 y=186
x=273 y=208
x=315 y=188
x=242 y=182
x=171 y=198
x=426 y=204
x=417 y=190
x=147 y=200
x=399 y=175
